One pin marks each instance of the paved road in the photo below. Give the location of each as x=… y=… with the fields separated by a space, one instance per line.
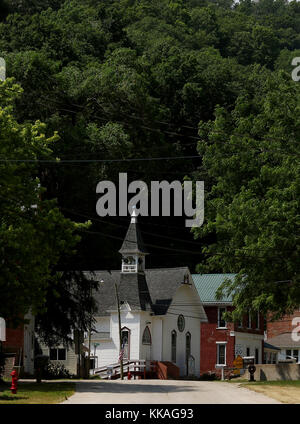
x=163 y=391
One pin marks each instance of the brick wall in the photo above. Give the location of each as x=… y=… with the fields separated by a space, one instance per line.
x=14 y=343
x=281 y=326
x=8 y=366
x=14 y=339
x=253 y=329
x=210 y=334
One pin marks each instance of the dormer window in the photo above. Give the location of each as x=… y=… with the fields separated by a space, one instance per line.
x=186 y=279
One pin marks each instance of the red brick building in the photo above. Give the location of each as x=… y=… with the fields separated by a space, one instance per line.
x=222 y=341
x=285 y=335
x=14 y=342
x=19 y=345
x=283 y=326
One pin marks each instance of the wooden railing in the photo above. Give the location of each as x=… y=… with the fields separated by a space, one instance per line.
x=136 y=367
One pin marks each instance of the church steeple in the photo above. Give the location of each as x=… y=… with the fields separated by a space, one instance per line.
x=133 y=250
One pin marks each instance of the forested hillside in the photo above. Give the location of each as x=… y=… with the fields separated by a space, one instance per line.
x=121 y=80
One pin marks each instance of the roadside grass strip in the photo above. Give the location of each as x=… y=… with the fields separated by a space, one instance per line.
x=284 y=391
x=37 y=393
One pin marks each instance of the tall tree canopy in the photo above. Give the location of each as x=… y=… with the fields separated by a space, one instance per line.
x=34 y=234
x=131 y=79
x=252 y=158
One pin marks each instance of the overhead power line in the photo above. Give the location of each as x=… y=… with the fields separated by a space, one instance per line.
x=126 y=226
x=58 y=162
x=190 y=252
x=195 y=243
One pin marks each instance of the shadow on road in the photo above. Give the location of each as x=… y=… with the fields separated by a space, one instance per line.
x=115 y=387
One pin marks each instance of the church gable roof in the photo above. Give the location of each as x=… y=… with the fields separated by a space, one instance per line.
x=133 y=289
x=154 y=290
x=163 y=284
x=105 y=295
x=146 y=290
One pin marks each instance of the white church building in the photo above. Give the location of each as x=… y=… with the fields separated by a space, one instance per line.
x=161 y=312
x=166 y=315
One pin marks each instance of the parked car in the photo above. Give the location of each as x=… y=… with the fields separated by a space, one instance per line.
x=288 y=360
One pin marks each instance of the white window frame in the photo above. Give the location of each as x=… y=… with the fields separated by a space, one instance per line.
x=219 y=316
x=218 y=346
x=57 y=348
x=258 y=321
x=145 y=333
x=258 y=354
x=292 y=353
x=249 y=324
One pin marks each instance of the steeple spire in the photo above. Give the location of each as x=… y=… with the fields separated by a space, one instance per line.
x=133 y=250
x=133 y=216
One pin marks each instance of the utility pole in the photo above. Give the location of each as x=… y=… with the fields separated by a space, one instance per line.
x=119 y=323
x=95 y=347
x=120 y=331
x=90 y=332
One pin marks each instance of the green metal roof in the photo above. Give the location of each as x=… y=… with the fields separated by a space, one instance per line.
x=207 y=285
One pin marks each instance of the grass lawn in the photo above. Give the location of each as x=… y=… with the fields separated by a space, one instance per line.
x=37 y=393
x=284 y=391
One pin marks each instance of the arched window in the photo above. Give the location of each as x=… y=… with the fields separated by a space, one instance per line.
x=173 y=345
x=187 y=345
x=125 y=337
x=146 y=339
x=187 y=351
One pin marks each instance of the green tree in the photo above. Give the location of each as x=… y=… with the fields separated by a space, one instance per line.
x=123 y=79
x=69 y=306
x=34 y=233
x=251 y=156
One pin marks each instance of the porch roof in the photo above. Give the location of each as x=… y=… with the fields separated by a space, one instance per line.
x=284 y=340
x=269 y=347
